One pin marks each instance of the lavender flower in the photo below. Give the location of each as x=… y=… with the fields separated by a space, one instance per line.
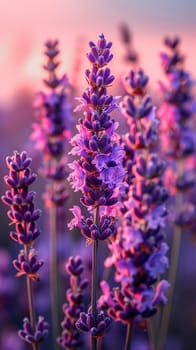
x=177 y=144
x=71 y=337
x=98 y=173
x=34 y=336
x=97 y=327
x=131 y=55
x=139 y=250
x=51 y=133
x=23 y=215
x=28 y=264
x=22 y=211
x=52 y=130
x=177 y=110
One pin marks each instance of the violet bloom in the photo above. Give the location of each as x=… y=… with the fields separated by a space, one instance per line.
x=23 y=215
x=51 y=134
x=139 y=250
x=178 y=140
x=71 y=338
x=131 y=55
x=52 y=130
x=98 y=171
x=177 y=144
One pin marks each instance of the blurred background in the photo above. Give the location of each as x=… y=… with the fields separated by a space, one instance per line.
x=25 y=26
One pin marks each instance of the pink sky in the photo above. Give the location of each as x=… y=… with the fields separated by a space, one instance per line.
x=26 y=24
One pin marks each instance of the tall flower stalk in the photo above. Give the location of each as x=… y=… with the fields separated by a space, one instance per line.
x=51 y=134
x=23 y=216
x=71 y=337
x=131 y=56
x=98 y=172
x=138 y=252
x=176 y=111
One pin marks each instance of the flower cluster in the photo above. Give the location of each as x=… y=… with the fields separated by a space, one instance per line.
x=71 y=337
x=139 y=250
x=28 y=264
x=123 y=198
x=97 y=326
x=90 y=229
x=51 y=132
x=23 y=215
x=98 y=173
x=131 y=55
x=34 y=336
x=176 y=111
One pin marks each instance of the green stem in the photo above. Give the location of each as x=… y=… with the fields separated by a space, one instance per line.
x=128 y=336
x=175 y=249
x=94 y=279
x=171 y=279
x=54 y=274
x=30 y=300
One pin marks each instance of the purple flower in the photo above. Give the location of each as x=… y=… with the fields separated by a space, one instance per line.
x=52 y=130
x=28 y=265
x=136 y=83
x=71 y=337
x=98 y=173
x=97 y=327
x=99 y=54
x=77 y=177
x=76 y=211
x=89 y=229
x=157 y=262
x=38 y=335
x=126 y=37
x=177 y=143
x=159 y=296
x=23 y=215
x=138 y=251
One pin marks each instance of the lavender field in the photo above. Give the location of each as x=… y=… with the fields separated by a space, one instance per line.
x=98 y=209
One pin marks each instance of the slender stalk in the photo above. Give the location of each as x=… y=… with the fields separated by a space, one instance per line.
x=94 y=279
x=128 y=336
x=54 y=274
x=153 y=325
x=30 y=301
x=150 y=325
x=175 y=249
x=171 y=279
x=151 y=334
x=99 y=343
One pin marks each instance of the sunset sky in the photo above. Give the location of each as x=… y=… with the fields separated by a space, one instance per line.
x=27 y=24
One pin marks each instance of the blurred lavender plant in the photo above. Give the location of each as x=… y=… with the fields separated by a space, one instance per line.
x=23 y=215
x=139 y=249
x=177 y=143
x=177 y=110
x=52 y=131
x=51 y=134
x=98 y=172
x=131 y=55
x=71 y=337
